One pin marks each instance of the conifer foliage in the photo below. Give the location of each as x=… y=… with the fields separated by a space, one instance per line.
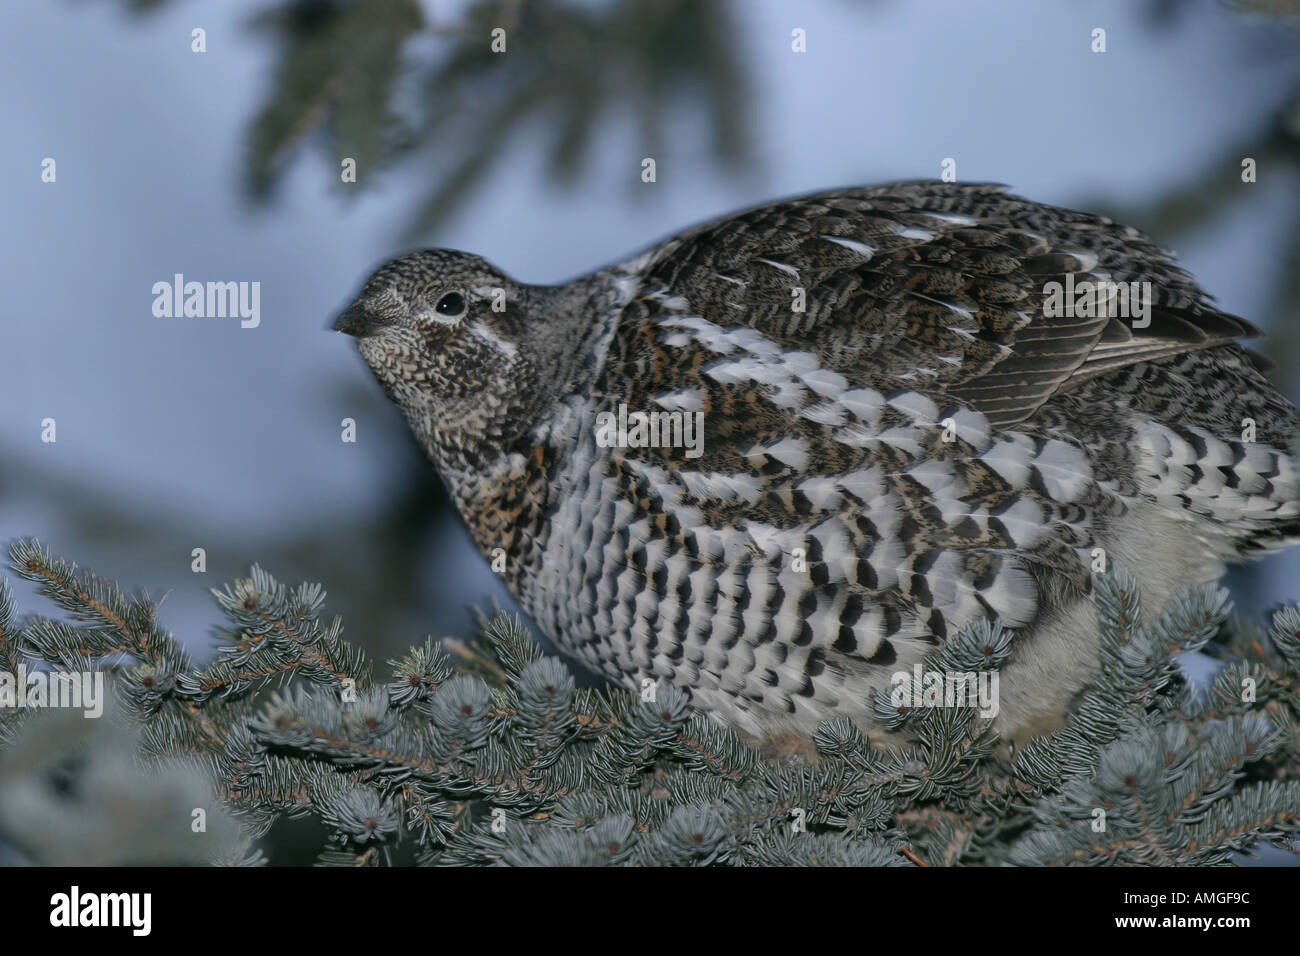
x=488 y=753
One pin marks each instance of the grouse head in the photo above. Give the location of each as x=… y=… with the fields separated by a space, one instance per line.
x=469 y=355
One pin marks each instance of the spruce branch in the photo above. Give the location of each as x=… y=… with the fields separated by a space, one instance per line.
x=436 y=765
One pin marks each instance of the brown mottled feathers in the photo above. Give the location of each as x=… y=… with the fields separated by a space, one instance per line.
x=960 y=312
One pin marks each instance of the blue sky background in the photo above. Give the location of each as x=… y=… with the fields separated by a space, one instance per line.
x=228 y=438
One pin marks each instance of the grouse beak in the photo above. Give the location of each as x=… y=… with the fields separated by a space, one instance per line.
x=358 y=322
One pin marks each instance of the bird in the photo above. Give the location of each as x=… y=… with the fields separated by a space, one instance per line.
x=883 y=413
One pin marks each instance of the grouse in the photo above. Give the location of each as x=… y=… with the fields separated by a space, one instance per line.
x=780 y=457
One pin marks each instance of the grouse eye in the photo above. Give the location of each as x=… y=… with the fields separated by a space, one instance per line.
x=452 y=304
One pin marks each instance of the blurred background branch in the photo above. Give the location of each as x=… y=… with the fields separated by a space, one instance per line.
x=554 y=77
